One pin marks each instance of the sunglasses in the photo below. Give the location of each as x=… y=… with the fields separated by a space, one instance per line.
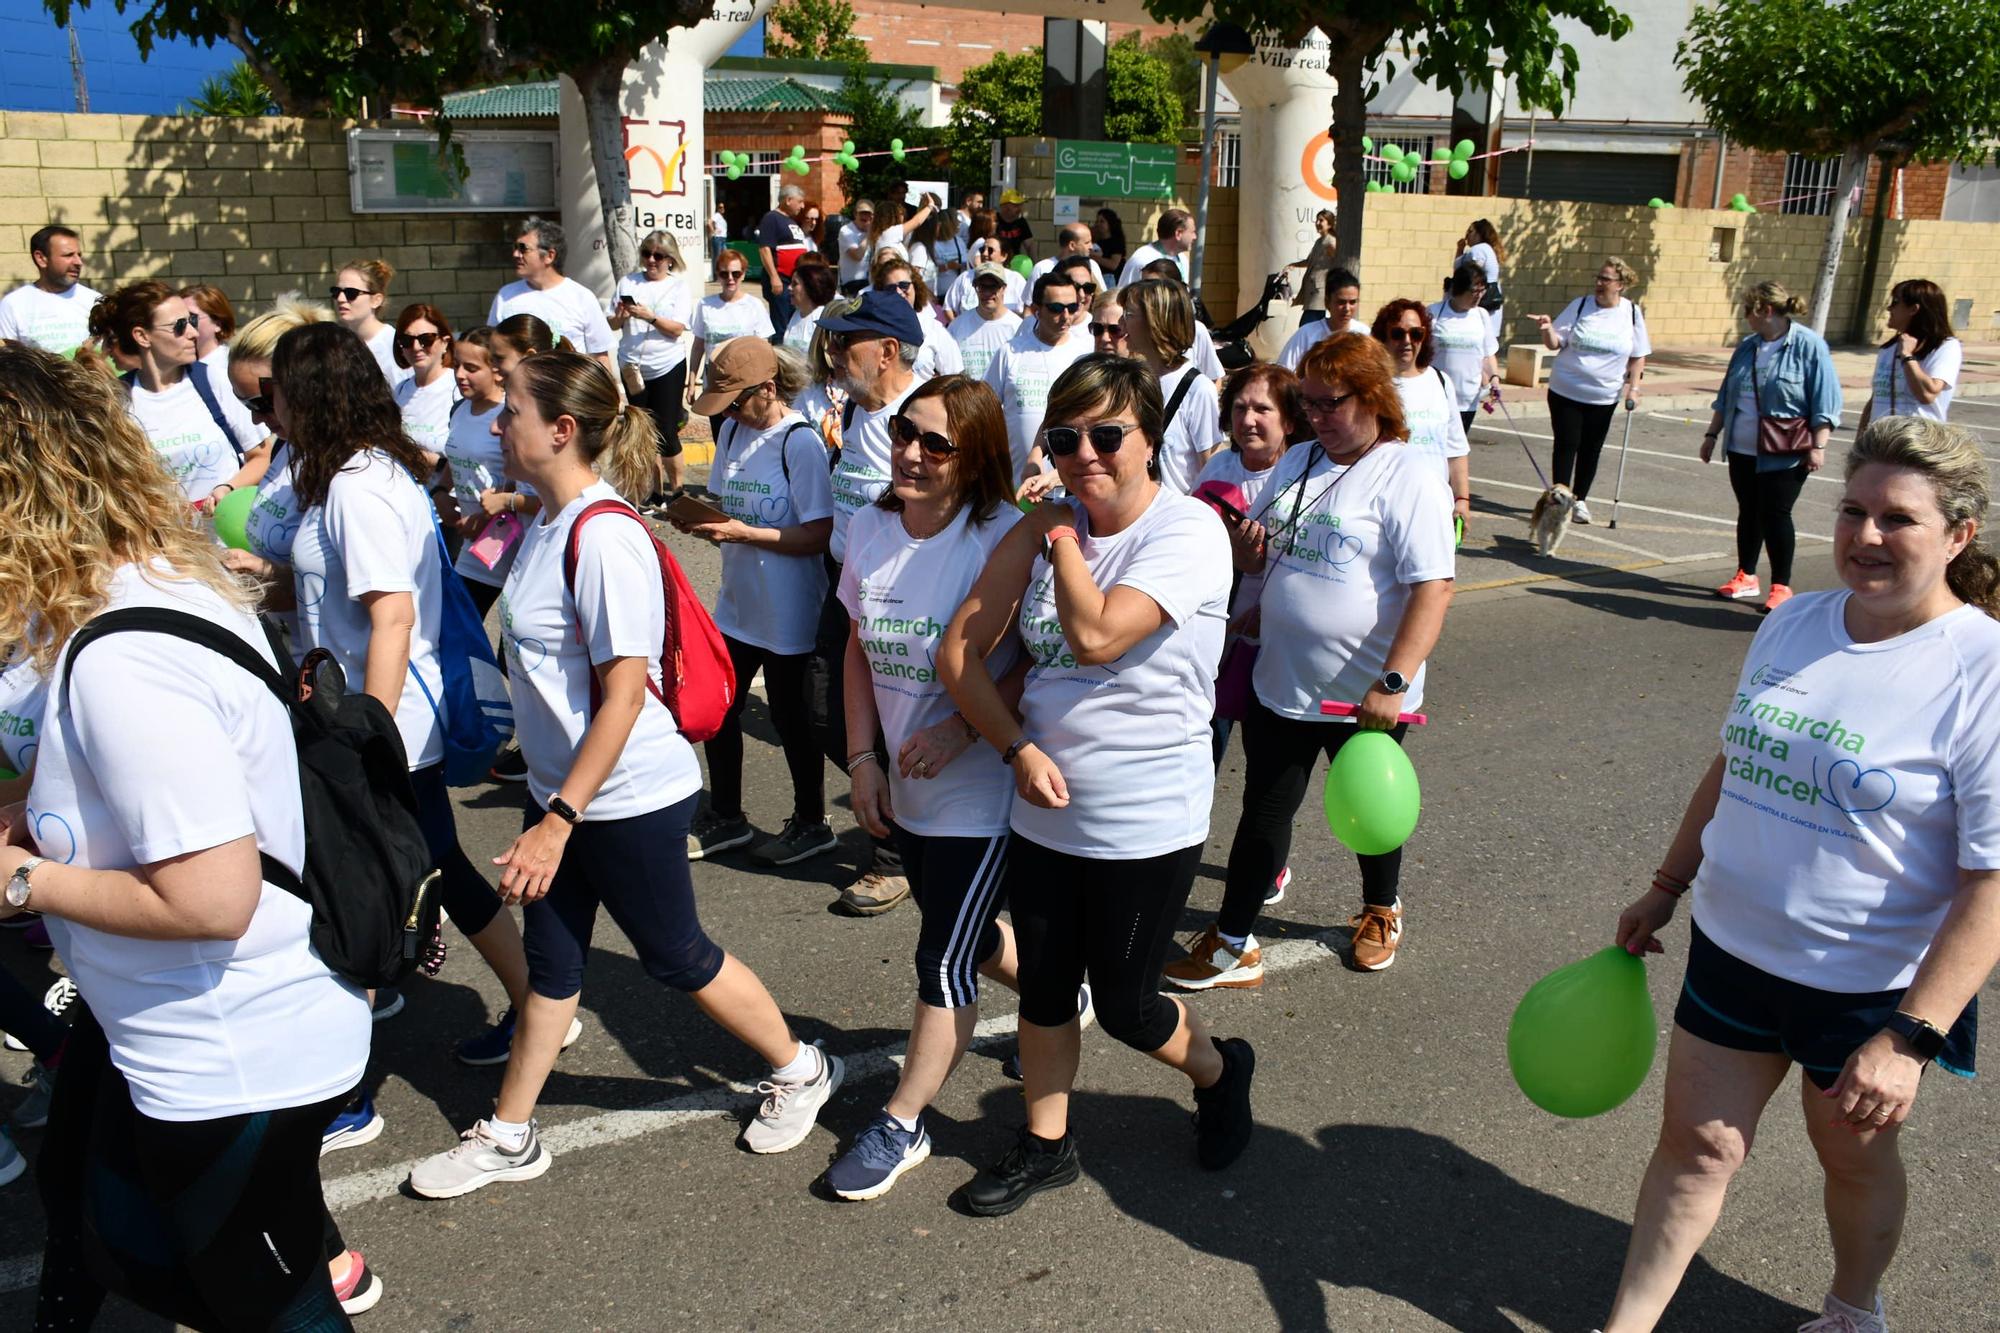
x=743 y=399
x=933 y=444
x=421 y=341
x=904 y=286
x=1107 y=331
x=177 y=328
x=520 y=249
x=989 y=286
x=1607 y=277
x=727 y=274
x=653 y=254
x=1402 y=335
x=1062 y=307
x=348 y=294
x=1106 y=437
x=260 y=401
x=1087 y=288
x=1320 y=407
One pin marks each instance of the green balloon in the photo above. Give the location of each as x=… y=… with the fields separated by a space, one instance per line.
x=1372 y=800
x=232 y=511
x=8 y=774
x=1463 y=149
x=1582 y=1038
x=733 y=171
x=1391 y=153
x=1022 y=265
x=1367 y=144
x=803 y=167
x=1459 y=169
x=1403 y=171
x=847 y=146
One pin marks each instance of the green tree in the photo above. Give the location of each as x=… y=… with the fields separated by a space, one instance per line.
x=1177 y=50
x=237 y=91
x=1848 y=79
x=881 y=116
x=325 y=59
x=1141 y=103
x=1448 y=44
x=813 y=30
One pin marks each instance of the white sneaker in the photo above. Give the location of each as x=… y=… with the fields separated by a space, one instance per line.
x=1839 y=1317
x=791 y=1108
x=1580 y=514
x=477 y=1161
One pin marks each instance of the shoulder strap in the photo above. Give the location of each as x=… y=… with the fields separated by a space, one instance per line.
x=1579 y=309
x=1180 y=392
x=198 y=376
x=570 y=551
x=784 y=462
x=1444 y=383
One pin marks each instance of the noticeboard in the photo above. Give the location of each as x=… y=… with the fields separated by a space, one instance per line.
x=1116 y=170
x=507 y=171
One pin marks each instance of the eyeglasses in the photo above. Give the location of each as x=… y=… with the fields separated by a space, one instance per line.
x=347 y=294
x=521 y=249
x=177 y=328
x=743 y=399
x=989 y=286
x=259 y=403
x=933 y=444
x=650 y=255
x=904 y=286
x=1107 y=331
x=421 y=341
x=1403 y=335
x=1608 y=277
x=1106 y=437
x=1062 y=307
x=1316 y=406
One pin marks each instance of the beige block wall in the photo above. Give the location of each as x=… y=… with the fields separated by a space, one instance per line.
x=257 y=206
x=1694 y=264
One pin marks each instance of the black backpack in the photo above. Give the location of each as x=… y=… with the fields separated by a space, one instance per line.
x=369 y=876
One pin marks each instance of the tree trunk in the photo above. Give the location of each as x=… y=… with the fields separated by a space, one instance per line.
x=1350 y=122
x=602 y=86
x=1853 y=171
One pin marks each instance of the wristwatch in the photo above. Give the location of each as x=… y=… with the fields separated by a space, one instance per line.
x=1393 y=682
x=18 y=888
x=1909 y=358
x=563 y=810
x=1924 y=1038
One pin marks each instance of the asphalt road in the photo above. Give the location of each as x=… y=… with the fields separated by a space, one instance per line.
x=1398 y=1179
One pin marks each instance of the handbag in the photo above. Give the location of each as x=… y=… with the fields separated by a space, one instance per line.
x=1232 y=679
x=1777 y=435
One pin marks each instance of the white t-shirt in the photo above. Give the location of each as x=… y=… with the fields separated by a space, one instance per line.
x=1144 y=255
x=166 y=750
x=961 y=296
x=374 y=534
x=863 y=471
x=24 y=693
x=716 y=321
x=622 y=609
x=1597 y=342
x=799 y=329
x=473 y=451
x=58 y=323
x=569 y=308
x=1226 y=474
x=383 y=348
x=939 y=355
x=853 y=270
x=979 y=338
x=718 y=225
x=1310 y=336
x=1482 y=254
x=1195 y=429
x=1202 y=353
x=1461 y=340
x=1437 y=435
x=1132 y=737
x=902 y=592
x=1743 y=422
x=1892 y=396
x=775 y=478
x=427 y=410
x=1859 y=779
x=1337 y=580
x=192 y=446
x=1022 y=373
x=247 y=433
x=1048 y=266
x=639 y=343
x=272 y=525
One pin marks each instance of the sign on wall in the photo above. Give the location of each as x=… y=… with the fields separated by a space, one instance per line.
x=656 y=157
x=507 y=171
x=1116 y=170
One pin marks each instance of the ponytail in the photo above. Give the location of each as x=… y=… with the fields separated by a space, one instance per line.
x=629 y=456
x=616 y=439
x=1974 y=578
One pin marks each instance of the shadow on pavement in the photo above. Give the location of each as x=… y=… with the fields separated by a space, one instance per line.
x=1680 y=603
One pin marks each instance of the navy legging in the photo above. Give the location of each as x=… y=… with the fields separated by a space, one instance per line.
x=468 y=899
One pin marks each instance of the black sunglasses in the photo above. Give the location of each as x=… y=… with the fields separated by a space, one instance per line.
x=1087 y=288
x=932 y=443
x=1062 y=307
x=903 y=286
x=1316 y=406
x=989 y=285
x=177 y=328
x=349 y=294
x=521 y=249
x=1106 y=437
x=743 y=399
x=421 y=341
x=260 y=401
x=653 y=254
x=1107 y=330
x=1403 y=335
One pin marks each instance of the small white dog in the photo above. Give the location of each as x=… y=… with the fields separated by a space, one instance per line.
x=1551 y=517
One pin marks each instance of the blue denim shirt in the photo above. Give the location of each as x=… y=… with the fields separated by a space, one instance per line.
x=1800 y=381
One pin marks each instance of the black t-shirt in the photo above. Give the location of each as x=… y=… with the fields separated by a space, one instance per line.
x=1014 y=236
x=785 y=238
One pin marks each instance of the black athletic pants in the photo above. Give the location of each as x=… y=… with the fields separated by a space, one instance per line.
x=1764 y=503
x=666 y=399
x=785 y=687
x=1580 y=430
x=827 y=675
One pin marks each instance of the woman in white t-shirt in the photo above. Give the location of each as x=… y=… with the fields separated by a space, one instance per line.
x=1917 y=370
x=911 y=558
x=426 y=398
x=731 y=313
x=215 y=325
x=360 y=293
x=939 y=355
x=614 y=783
x=1465 y=341
x=1436 y=433
x=770 y=477
x=1481 y=245
x=651 y=312
x=368 y=574
x=153 y=328
x=1601 y=347
x=215 y=1044
x=1119 y=598
x=479 y=491
x=1844 y=855
x=1158 y=323
x=1357 y=554
x=814 y=284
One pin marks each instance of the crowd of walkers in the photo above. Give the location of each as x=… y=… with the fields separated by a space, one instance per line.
x=1021 y=568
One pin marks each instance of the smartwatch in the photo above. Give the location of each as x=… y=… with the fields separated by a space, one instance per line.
x=18 y=888
x=563 y=810
x=1394 y=682
x=1924 y=1038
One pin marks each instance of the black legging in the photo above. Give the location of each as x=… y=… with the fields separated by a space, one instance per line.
x=785 y=688
x=1580 y=429
x=22 y=1015
x=666 y=399
x=217 y=1224
x=827 y=702
x=1764 y=503
x=1279 y=754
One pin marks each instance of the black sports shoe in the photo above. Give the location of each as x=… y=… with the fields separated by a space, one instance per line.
x=1024 y=1169
x=1222 y=1120
x=510 y=765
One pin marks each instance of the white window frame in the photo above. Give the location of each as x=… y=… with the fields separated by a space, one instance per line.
x=1810 y=184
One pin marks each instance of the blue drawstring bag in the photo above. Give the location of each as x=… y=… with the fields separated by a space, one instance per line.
x=474 y=711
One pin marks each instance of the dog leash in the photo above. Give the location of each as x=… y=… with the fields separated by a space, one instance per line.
x=1532 y=460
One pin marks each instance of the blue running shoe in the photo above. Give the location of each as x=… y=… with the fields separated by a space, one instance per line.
x=884 y=1151
x=356 y=1125
x=493 y=1046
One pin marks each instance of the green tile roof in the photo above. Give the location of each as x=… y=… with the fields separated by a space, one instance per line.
x=754 y=93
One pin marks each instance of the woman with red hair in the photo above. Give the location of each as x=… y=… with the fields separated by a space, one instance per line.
x=1430 y=405
x=1357 y=557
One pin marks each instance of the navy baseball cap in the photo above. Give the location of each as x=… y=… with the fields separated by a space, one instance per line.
x=880 y=315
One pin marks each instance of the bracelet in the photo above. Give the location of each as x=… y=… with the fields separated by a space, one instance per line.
x=1671 y=885
x=1710 y=435
x=857 y=760
x=514 y=499
x=971 y=732
x=1007 y=755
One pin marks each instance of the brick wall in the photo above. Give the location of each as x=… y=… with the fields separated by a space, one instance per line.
x=955 y=40
x=255 y=206
x=1761 y=176
x=776 y=132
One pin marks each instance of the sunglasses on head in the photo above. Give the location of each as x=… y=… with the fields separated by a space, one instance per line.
x=1107 y=331
x=1062 y=307
x=421 y=341
x=1106 y=437
x=1315 y=406
x=1403 y=335
x=348 y=294
x=932 y=443
x=260 y=401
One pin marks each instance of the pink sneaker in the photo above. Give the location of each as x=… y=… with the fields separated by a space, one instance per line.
x=360 y=1289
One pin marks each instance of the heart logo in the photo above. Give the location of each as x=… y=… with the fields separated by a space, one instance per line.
x=278 y=540
x=1854 y=790
x=528 y=653
x=771 y=508
x=24 y=762
x=53 y=836
x=311 y=590
x=1341 y=548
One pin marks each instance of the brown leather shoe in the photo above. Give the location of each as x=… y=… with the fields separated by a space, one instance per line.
x=1377 y=933
x=873 y=894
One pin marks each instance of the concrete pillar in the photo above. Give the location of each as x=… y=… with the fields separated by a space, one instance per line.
x=1287 y=98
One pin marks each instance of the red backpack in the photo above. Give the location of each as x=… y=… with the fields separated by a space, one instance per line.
x=698 y=680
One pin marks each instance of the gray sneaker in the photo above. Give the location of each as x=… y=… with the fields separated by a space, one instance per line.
x=33 y=1112
x=795 y=842
x=478 y=1160
x=714 y=833
x=790 y=1109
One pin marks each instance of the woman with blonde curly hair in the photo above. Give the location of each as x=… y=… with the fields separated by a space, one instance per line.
x=216 y=1044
